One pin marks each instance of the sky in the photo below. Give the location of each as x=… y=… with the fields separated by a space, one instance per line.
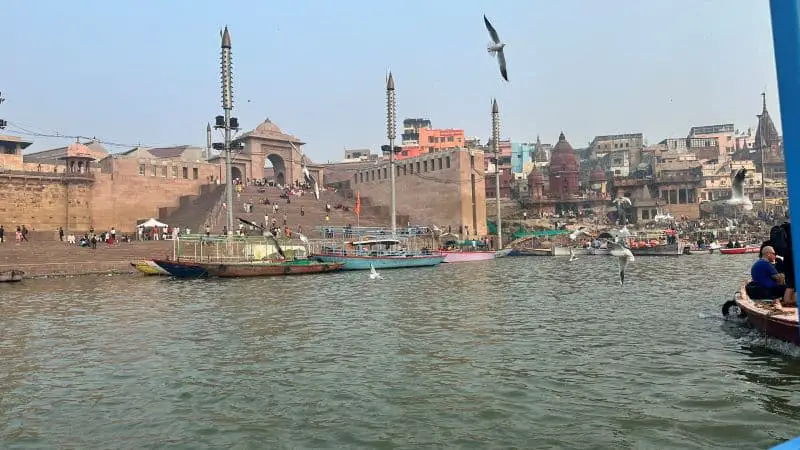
x=148 y=72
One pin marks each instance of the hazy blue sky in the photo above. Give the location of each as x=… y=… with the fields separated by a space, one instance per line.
x=148 y=71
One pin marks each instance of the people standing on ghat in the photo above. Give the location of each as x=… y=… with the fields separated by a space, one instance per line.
x=60 y=234
x=208 y=230
x=2 y=233
x=113 y=233
x=25 y=233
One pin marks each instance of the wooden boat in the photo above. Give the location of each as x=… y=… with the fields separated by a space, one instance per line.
x=149 y=267
x=241 y=269
x=740 y=250
x=377 y=253
x=502 y=253
x=658 y=250
x=698 y=252
x=778 y=323
x=9 y=276
x=530 y=252
x=457 y=256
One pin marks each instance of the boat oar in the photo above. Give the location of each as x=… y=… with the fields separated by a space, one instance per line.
x=271 y=236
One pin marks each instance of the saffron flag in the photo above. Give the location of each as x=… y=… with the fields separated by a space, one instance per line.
x=357 y=209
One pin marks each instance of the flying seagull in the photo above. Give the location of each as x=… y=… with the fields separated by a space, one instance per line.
x=624 y=256
x=496 y=47
x=572 y=256
x=619 y=201
x=373 y=274
x=737 y=191
x=579 y=232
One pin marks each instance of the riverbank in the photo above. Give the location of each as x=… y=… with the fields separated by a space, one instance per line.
x=48 y=258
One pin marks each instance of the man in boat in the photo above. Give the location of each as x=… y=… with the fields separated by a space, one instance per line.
x=767 y=283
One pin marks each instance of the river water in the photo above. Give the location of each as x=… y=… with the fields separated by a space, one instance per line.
x=518 y=352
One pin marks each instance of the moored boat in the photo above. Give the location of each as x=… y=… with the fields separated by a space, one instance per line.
x=9 y=276
x=149 y=267
x=530 y=252
x=502 y=253
x=779 y=323
x=241 y=269
x=456 y=256
x=377 y=253
x=180 y=269
x=739 y=250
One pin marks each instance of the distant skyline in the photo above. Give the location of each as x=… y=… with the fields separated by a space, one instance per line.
x=148 y=72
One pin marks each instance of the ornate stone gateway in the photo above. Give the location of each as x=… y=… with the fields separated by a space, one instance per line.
x=268 y=143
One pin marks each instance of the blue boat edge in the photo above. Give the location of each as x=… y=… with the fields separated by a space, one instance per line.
x=364 y=263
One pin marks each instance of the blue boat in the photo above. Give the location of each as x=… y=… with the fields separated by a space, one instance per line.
x=377 y=253
x=182 y=270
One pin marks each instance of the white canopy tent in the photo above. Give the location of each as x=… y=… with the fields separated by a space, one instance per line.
x=152 y=223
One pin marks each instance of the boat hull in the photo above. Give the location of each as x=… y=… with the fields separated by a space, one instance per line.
x=381 y=262
x=246 y=269
x=269 y=269
x=182 y=270
x=659 y=250
x=458 y=257
x=739 y=251
x=502 y=253
x=11 y=276
x=530 y=252
x=148 y=267
x=780 y=325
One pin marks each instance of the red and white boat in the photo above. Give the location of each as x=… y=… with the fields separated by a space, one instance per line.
x=740 y=250
x=456 y=256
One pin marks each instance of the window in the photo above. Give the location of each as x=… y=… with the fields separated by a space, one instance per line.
x=379 y=174
x=449 y=138
x=447 y=162
x=424 y=166
x=195 y=173
x=405 y=169
x=185 y=173
x=355 y=179
x=431 y=139
x=397 y=170
x=141 y=169
x=361 y=177
x=174 y=171
x=418 y=165
x=163 y=171
x=385 y=172
x=440 y=163
x=411 y=168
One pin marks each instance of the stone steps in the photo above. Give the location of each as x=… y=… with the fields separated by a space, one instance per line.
x=314 y=210
x=57 y=258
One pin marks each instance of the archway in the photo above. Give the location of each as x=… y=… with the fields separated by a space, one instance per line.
x=236 y=173
x=278 y=167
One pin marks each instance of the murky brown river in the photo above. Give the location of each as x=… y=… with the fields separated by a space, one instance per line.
x=524 y=352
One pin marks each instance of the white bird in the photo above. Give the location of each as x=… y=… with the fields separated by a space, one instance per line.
x=496 y=48
x=373 y=274
x=619 y=201
x=624 y=256
x=572 y=256
x=303 y=238
x=579 y=232
x=737 y=191
x=622 y=233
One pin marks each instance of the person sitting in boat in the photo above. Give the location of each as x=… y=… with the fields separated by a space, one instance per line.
x=767 y=283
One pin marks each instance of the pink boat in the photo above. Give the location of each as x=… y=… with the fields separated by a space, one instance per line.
x=456 y=256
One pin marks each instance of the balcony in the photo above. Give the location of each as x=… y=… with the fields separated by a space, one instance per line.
x=681 y=178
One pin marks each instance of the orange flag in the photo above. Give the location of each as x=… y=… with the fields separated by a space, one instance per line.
x=357 y=209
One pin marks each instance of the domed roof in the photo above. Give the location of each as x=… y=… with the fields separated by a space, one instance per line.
x=597 y=175
x=267 y=127
x=562 y=157
x=535 y=178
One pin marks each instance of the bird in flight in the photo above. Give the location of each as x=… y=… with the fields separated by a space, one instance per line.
x=496 y=48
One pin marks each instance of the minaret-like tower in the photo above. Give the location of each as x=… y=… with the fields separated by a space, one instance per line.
x=227 y=106
x=496 y=150
x=391 y=125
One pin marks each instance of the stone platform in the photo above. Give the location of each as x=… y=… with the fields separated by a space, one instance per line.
x=59 y=258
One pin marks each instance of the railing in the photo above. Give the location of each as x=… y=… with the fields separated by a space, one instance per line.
x=356 y=232
x=201 y=248
x=48 y=175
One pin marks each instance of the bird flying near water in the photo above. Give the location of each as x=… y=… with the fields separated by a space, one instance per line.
x=373 y=274
x=572 y=256
x=738 y=196
x=624 y=256
x=496 y=48
x=581 y=231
